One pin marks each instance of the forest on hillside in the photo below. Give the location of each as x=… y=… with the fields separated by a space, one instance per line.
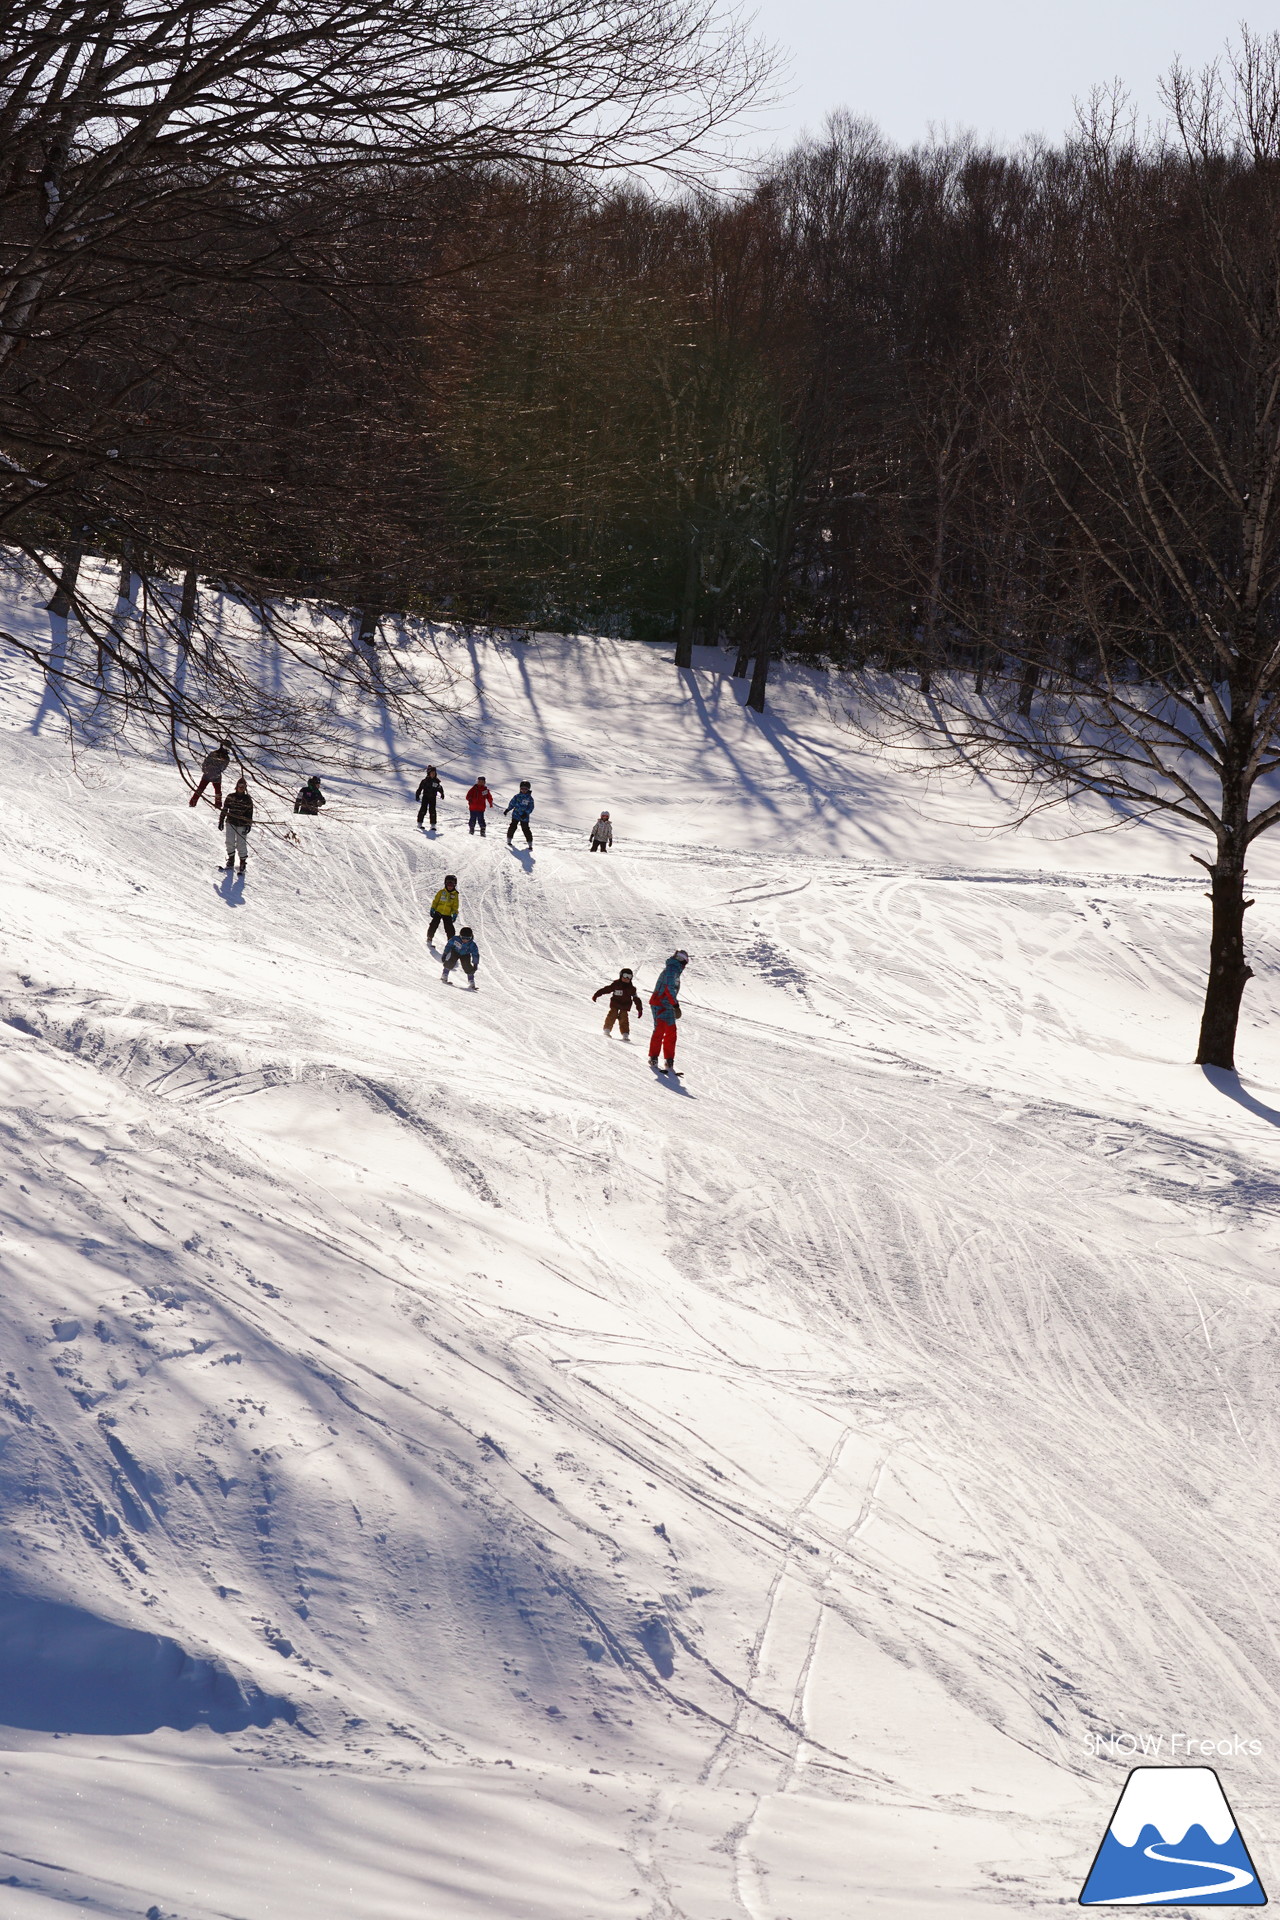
x=461 y=360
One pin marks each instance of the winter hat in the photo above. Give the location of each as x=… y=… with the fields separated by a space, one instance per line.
x=525 y=785
x=670 y=975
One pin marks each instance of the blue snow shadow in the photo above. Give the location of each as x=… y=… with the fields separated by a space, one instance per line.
x=1229 y=1083
x=63 y=1670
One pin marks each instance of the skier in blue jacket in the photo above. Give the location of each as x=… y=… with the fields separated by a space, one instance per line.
x=665 y=1002
x=520 y=806
x=462 y=951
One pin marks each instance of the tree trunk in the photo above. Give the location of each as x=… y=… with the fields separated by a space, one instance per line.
x=125 y=589
x=1229 y=972
x=760 y=676
x=368 y=634
x=1030 y=681
x=688 y=604
x=61 y=601
x=743 y=659
x=190 y=582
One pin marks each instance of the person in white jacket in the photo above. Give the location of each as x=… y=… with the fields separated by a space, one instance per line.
x=602 y=834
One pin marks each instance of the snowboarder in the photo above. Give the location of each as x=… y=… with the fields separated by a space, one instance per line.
x=622 y=998
x=602 y=834
x=237 y=817
x=520 y=806
x=429 y=791
x=665 y=1003
x=478 y=798
x=462 y=951
x=214 y=766
x=445 y=907
x=310 y=800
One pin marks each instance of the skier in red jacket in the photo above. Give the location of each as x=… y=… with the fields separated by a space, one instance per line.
x=478 y=798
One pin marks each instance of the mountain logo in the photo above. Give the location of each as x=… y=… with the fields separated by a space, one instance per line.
x=1172 y=1842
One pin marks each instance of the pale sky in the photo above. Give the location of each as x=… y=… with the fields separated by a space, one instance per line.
x=1004 y=68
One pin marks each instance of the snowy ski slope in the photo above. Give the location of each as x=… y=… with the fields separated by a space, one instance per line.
x=445 y=1471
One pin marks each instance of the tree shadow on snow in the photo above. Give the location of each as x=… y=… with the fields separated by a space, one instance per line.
x=1229 y=1084
x=63 y=1670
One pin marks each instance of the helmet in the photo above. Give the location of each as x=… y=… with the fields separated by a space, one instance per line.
x=464 y=933
x=524 y=784
x=624 y=973
x=681 y=956
x=451 y=879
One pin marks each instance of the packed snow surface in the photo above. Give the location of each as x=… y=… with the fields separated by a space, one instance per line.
x=447 y=1470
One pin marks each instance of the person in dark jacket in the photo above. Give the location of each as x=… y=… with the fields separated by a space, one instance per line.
x=215 y=765
x=665 y=1004
x=461 y=951
x=237 y=817
x=520 y=806
x=445 y=907
x=478 y=798
x=310 y=800
x=622 y=999
x=429 y=791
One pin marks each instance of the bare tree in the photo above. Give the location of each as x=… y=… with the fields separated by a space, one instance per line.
x=170 y=171
x=1129 y=584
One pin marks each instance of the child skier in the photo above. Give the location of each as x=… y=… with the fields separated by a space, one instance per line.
x=237 y=817
x=478 y=798
x=445 y=907
x=214 y=766
x=429 y=791
x=665 y=1003
x=462 y=951
x=310 y=800
x=520 y=806
x=602 y=834
x=622 y=998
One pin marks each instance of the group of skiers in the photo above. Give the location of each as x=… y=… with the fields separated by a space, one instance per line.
x=235 y=816
x=461 y=949
x=479 y=800
x=664 y=1004
x=235 y=813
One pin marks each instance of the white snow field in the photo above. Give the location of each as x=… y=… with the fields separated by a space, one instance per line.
x=447 y=1471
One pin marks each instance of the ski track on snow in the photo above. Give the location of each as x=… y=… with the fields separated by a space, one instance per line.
x=823 y=1447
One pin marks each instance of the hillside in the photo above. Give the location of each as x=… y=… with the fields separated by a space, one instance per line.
x=446 y=1470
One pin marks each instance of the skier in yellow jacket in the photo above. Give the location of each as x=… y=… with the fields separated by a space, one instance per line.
x=444 y=908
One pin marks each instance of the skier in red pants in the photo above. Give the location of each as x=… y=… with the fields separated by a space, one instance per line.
x=665 y=1002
